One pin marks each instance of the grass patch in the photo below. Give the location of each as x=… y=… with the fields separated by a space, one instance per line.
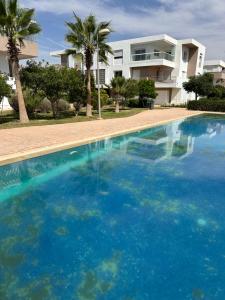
x=10 y=119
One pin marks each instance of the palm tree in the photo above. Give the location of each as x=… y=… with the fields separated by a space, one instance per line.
x=17 y=24
x=118 y=88
x=86 y=36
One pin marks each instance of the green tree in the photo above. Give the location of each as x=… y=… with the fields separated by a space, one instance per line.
x=17 y=24
x=131 y=88
x=118 y=88
x=32 y=75
x=5 y=89
x=53 y=86
x=75 y=89
x=218 y=92
x=86 y=36
x=146 y=90
x=201 y=85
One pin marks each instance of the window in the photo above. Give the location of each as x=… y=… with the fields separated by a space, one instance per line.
x=118 y=54
x=118 y=57
x=139 y=54
x=118 y=73
x=200 y=60
x=185 y=55
x=64 y=60
x=101 y=76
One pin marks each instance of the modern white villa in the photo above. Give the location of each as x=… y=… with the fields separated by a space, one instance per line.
x=29 y=51
x=217 y=68
x=169 y=62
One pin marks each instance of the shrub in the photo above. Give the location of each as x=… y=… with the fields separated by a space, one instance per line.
x=63 y=105
x=205 y=104
x=32 y=101
x=218 y=92
x=133 y=102
x=104 y=98
x=45 y=106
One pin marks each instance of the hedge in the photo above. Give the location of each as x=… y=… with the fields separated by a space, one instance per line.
x=207 y=105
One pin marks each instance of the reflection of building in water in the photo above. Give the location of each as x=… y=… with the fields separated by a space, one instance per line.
x=213 y=129
x=155 y=145
x=163 y=143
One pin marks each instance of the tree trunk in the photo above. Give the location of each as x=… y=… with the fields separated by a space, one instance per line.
x=117 y=110
x=54 y=109
x=89 y=96
x=196 y=96
x=19 y=93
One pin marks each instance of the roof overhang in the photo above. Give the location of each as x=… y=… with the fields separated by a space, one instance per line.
x=215 y=62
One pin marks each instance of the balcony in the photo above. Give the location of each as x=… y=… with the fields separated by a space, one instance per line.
x=152 y=56
x=30 y=49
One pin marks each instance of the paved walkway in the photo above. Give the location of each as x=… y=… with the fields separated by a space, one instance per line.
x=21 y=143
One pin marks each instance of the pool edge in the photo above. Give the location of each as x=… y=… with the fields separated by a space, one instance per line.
x=20 y=156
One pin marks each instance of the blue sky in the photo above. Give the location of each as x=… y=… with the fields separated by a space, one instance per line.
x=203 y=20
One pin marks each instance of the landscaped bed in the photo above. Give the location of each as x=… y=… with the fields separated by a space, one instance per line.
x=10 y=119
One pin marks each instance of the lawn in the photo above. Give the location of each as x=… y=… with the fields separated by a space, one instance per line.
x=10 y=119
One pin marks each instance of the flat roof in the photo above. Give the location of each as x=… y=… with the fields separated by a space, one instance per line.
x=215 y=62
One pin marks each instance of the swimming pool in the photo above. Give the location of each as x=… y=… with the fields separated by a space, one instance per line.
x=136 y=217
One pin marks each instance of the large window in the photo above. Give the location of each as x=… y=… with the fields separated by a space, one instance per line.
x=140 y=54
x=101 y=76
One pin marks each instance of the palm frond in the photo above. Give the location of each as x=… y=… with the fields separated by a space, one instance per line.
x=12 y=7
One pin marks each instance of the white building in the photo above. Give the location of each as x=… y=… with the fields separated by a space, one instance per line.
x=217 y=68
x=169 y=62
x=30 y=50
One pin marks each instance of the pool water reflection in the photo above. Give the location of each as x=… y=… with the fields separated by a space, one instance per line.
x=137 y=217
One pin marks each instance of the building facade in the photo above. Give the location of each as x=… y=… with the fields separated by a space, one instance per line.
x=167 y=61
x=217 y=68
x=30 y=50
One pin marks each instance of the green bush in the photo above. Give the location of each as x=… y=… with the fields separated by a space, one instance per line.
x=218 y=91
x=205 y=104
x=45 y=106
x=32 y=101
x=63 y=105
x=133 y=102
x=104 y=98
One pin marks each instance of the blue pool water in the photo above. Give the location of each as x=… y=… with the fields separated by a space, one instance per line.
x=136 y=217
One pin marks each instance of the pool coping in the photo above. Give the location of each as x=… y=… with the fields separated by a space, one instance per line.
x=20 y=156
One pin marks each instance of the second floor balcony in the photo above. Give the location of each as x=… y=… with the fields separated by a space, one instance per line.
x=152 y=56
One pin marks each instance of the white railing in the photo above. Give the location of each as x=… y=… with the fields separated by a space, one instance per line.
x=151 y=56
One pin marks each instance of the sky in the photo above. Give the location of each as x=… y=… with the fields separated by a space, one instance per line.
x=203 y=20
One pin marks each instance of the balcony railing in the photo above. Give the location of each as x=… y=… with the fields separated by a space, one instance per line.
x=151 y=56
